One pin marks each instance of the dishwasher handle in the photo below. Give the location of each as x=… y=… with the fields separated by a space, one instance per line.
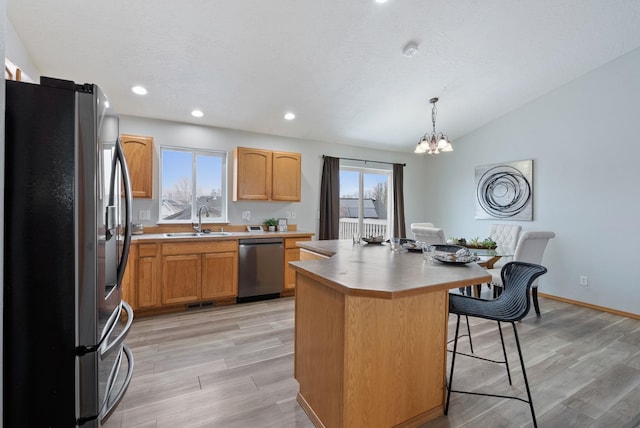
x=260 y=241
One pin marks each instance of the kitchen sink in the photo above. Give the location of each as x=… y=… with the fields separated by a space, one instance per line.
x=195 y=234
x=216 y=233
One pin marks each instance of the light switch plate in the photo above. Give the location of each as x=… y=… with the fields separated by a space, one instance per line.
x=144 y=215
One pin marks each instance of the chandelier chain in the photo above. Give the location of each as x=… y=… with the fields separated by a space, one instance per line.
x=434 y=112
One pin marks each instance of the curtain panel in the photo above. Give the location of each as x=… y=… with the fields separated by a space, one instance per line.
x=399 y=227
x=330 y=199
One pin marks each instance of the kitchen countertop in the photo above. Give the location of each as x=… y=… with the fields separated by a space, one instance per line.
x=232 y=235
x=374 y=270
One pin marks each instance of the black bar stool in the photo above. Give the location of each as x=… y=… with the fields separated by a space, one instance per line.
x=510 y=306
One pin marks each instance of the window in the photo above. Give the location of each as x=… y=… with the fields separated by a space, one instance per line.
x=365 y=202
x=190 y=179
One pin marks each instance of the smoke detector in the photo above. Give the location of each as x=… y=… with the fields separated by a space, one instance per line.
x=410 y=49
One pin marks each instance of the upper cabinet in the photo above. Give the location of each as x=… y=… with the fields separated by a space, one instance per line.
x=285 y=183
x=139 y=153
x=265 y=175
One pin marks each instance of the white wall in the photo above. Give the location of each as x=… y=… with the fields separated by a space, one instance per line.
x=583 y=138
x=167 y=133
x=16 y=52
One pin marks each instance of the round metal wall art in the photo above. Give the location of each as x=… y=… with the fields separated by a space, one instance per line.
x=504 y=191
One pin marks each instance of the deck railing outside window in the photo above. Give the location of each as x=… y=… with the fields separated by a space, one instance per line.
x=372 y=227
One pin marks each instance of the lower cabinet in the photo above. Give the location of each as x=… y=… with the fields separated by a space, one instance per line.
x=147 y=293
x=162 y=275
x=181 y=278
x=196 y=271
x=219 y=275
x=291 y=254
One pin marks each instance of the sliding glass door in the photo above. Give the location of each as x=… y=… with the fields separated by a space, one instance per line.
x=365 y=202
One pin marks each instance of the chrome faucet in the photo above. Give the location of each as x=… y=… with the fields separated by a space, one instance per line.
x=198 y=228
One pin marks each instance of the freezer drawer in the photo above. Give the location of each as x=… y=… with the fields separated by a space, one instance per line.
x=260 y=268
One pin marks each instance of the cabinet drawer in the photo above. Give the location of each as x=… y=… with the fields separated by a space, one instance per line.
x=199 y=247
x=147 y=250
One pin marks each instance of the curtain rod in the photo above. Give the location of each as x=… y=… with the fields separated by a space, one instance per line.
x=365 y=161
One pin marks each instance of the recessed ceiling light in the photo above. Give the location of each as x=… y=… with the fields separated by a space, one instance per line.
x=381 y=1
x=140 y=90
x=289 y=116
x=197 y=113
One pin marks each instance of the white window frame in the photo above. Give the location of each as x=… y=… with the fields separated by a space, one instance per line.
x=390 y=211
x=224 y=197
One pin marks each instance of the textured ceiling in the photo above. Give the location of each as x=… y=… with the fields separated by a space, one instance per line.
x=336 y=63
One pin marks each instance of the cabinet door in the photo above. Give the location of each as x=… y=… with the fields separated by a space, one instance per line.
x=291 y=254
x=181 y=276
x=129 y=278
x=252 y=178
x=219 y=275
x=139 y=154
x=286 y=177
x=147 y=295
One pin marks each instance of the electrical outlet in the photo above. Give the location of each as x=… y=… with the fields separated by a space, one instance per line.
x=293 y=214
x=144 y=215
x=584 y=280
x=288 y=215
x=246 y=215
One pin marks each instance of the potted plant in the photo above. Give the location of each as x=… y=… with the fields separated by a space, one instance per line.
x=490 y=244
x=271 y=224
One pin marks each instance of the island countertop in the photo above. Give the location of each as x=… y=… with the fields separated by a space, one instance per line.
x=371 y=333
x=374 y=270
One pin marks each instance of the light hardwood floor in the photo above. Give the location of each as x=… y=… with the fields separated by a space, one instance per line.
x=233 y=367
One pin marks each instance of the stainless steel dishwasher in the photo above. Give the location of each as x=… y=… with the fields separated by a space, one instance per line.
x=260 y=269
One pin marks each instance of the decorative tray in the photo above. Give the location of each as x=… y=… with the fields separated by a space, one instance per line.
x=480 y=247
x=453 y=255
x=447 y=248
x=446 y=259
x=373 y=239
x=412 y=245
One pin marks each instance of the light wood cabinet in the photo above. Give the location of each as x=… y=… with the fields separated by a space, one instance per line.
x=138 y=151
x=128 y=280
x=252 y=174
x=219 y=275
x=196 y=271
x=181 y=276
x=165 y=275
x=147 y=294
x=291 y=254
x=285 y=183
x=264 y=175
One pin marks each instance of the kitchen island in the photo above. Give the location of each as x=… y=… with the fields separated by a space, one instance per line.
x=371 y=333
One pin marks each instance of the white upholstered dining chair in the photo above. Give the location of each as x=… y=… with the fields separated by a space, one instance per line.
x=506 y=237
x=530 y=249
x=429 y=235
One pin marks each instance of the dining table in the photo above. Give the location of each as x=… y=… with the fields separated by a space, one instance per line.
x=488 y=258
x=370 y=341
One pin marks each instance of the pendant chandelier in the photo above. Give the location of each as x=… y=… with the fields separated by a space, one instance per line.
x=434 y=143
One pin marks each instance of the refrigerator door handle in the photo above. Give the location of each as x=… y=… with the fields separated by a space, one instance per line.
x=117 y=342
x=112 y=403
x=128 y=205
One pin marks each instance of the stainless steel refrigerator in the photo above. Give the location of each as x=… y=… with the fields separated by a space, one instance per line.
x=66 y=238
